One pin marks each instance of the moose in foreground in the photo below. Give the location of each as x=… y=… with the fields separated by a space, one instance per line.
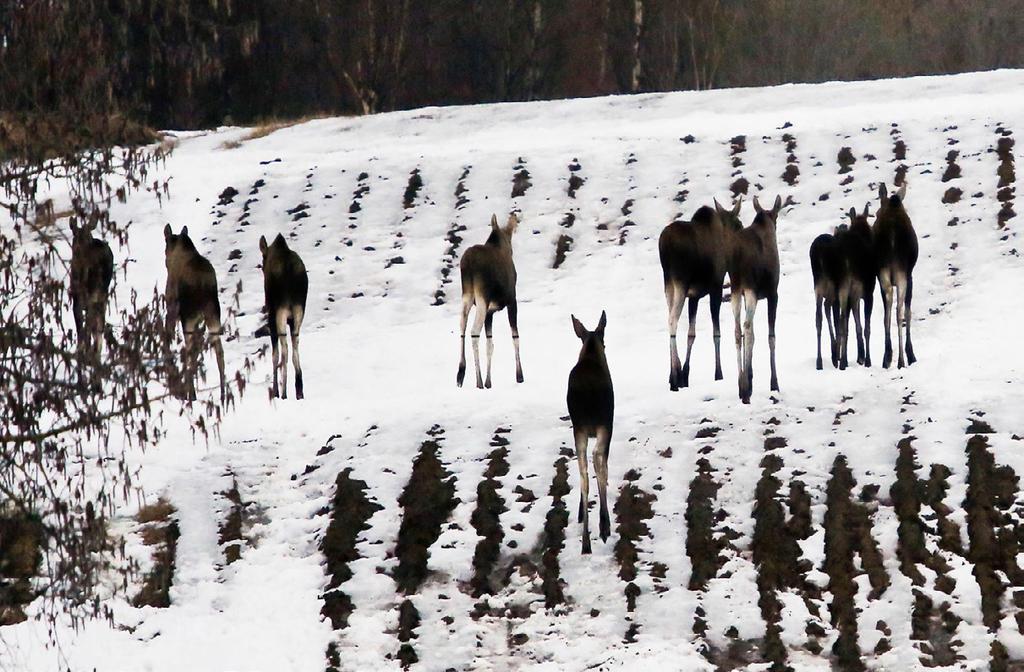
x=285 y=286
x=754 y=275
x=489 y=285
x=895 y=247
x=191 y=296
x=694 y=259
x=92 y=270
x=591 y=402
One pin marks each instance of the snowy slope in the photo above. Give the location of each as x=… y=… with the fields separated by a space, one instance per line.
x=380 y=353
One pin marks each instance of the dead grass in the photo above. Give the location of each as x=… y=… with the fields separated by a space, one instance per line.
x=264 y=128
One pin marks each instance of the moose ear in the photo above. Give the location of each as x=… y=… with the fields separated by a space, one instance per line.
x=512 y=224
x=578 y=327
x=74 y=224
x=602 y=323
x=777 y=208
x=184 y=231
x=494 y=222
x=867 y=208
x=757 y=206
x=263 y=244
x=852 y=214
x=902 y=191
x=718 y=208
x=167 y=232
x=882 y=192
x=736 y=207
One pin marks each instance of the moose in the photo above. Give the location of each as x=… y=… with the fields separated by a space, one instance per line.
x=489 y=284
x=754 y=275
x=895 y=247
x=92 y=270
x=285 y=286
x=591 y=402
x=694 y=259
x=191 y=296
x=856 y=243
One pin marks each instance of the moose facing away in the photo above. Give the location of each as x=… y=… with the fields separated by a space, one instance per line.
x=754 y=275
x=489 y=285
x=694 y=257
x=896 y=254
x=92 y=269
x=591 y=402
x=285 y=285
x=191 y=296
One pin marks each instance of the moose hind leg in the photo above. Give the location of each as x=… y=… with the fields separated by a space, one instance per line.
x=467 y=305
x=860 y=332
x=296 y=324
x=580 y=438
x=478 y=325
x=604 y=438
x=488 y=329
x=675 y=295
x=691 y=336
x=817 y=324
x=869 y=302
x=715 y=300
x=885 y=286
x=746 y=378
x=513 y=323
x=910 y=295
x=830 y=316
x=773 y=305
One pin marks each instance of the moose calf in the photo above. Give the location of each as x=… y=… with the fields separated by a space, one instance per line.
x=92 y=269
x=285 y=285
x=191 y=296
x=591 y=402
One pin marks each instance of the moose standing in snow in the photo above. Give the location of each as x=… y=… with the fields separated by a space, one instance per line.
x=92 y=269
x=285 y=285
x=754 y=275
x=694 y=257
x=856 y=244
x=489 y=284
x=191 y=295
x=896 y=254
x=591 y=402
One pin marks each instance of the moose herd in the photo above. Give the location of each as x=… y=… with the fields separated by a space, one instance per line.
x=696 y=256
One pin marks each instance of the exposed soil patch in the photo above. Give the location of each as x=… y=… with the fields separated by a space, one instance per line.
x=227 y=196
x=952 y=171
x=702 y=547
x=362 y=189
x=1007 y=177
x=562 y=247
x=737 y=146
x=350 y=511
x=899 y=153
x=427 y=501
x=993 y=543
x=739 y=186
x=846 y=159
x=521 y=179
x=412 y=189
x=792 y=173
x=230 y=533
x=453 y=238
x=848 y=532
x=553 y=537
x=777 y=556
x=159 y=529
x=632 y=509
x=952 y=195
x=486 y=519
x=575 y=179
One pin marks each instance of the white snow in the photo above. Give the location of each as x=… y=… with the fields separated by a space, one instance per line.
x=388 y=358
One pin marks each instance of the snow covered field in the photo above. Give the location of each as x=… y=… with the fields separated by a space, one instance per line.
x=845 y=519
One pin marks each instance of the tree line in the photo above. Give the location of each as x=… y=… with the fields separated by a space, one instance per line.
x=196 y=63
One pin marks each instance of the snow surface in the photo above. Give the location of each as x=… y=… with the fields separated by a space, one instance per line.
x=377 y=354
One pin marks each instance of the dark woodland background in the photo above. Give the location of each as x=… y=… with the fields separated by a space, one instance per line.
x=197 y=63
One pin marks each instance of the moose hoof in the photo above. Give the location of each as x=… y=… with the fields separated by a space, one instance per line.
x=519 y=377
x=487 y=384
x=818 y=365
x=718 y=374
x=586 y=547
